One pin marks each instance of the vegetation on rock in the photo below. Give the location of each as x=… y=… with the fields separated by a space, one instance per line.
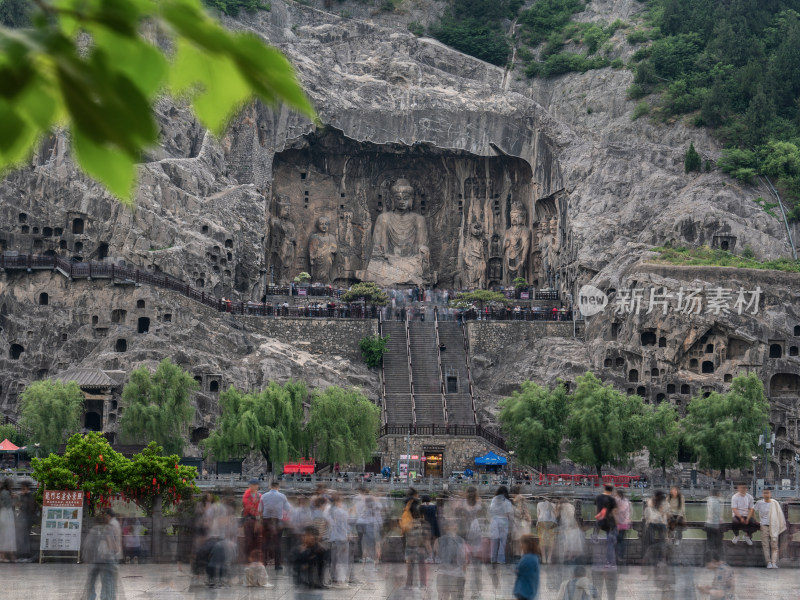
x=368 y=292
x=705 y=256
x=479 y=297
x=691 y=161
x=373 y=348
x=734 y=66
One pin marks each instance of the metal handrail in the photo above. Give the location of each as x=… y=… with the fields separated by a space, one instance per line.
x=384 y=410
x=469 y=373
x=439 y=362
x=410 y=372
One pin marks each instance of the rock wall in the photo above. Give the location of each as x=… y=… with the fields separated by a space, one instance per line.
x=458 y=452
x=491 y=337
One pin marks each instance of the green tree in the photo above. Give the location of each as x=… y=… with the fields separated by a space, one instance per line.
x=533 y=420
x=52 y=411
x=90 y=464
x=10 y=433
x=343 y=426
x=270 y=422
x=479 y=297
x=85 y=65
x=663 y=436
x=759 y=117
x=158 y=406
x=603 y=425
x=368 y=291
x=723 y=429
x=692 y=160
x=373 y=348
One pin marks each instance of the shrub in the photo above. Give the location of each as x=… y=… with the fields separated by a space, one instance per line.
x=617 y=63
x=692 y=160
x=741 y=164
x=234 y=7
x=636 y=91
x=641 y=109
x=638 y=36
x=416 y=28
x=546 y=16
x=473 y=38
x=372 y=349
x=748 y=252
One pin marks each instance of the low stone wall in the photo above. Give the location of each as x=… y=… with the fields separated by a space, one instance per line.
x=489 y=337
x=317 y=336
x=458 y=452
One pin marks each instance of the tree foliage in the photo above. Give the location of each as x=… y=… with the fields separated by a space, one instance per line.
x=691 y=161
x=269 y=422
x=533 y=421
x=479 y=297
x=663 y=435
x=10 y=433
x=90 y=464
x=158 y=406
x=368 y=291
x=373 y=348
x=343 y=426
x=723 y=429
x=15 y=13
x=52 y=411
x=87 y=66
x=735 y=64
x=603 y=425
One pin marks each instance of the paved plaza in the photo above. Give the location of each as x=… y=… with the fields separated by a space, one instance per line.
x=173 y=582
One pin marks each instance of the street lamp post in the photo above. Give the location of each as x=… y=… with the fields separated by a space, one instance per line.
x=767 y=440
x=511 y=465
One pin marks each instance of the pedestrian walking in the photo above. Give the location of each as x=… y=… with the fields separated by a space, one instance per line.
x=546 y=528
x=624 y=522
x=773 y=524
x=250 y=515
x=273 y=507
x=501 y=512
x=27 y=513
x=8 y=527
x=655 y=518
x=712 y=524
x=605 y=520
x=526 y=585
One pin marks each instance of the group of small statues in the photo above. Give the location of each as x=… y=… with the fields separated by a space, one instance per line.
x=400 y=251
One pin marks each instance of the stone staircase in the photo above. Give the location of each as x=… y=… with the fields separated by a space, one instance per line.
x=395 y=375
x=427 y=377
x=454 y=365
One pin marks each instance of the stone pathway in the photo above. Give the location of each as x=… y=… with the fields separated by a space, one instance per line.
x=173 y=582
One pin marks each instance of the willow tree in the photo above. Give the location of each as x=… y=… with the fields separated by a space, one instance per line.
x=269 y=422
x=344 y=426
x=52 y=411
x=532 y=420
x=158 y=406
x=603 y=425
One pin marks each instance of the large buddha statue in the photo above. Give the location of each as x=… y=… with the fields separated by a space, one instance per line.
x=400 y=252
x=516 y=244
x=282 y=243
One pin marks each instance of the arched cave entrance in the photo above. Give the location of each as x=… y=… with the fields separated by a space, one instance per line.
x=93 y=421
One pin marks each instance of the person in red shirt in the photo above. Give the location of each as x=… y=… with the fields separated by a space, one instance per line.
x=252 y=522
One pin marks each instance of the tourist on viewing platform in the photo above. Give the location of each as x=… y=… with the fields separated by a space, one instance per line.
x=250 y=516
x=773 y=524
x=623 y=522
x=522 y=520
x=273 y=506
x=526 y=585
x=417 y=546
x=677 y=514
x=655 y=538
x=605 y=519
x=742 y=508
x=501 y=513
x=712 y=525
x=546 y=528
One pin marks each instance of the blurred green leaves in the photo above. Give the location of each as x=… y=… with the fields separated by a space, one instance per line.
x=85 y=65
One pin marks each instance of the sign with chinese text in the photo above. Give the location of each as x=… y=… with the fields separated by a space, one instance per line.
x=62 y=515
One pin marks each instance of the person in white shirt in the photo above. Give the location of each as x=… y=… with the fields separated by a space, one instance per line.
x=773 y=524
x=546 y=523
x=742 y=513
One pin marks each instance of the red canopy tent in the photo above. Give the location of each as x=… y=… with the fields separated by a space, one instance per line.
x=7 y=447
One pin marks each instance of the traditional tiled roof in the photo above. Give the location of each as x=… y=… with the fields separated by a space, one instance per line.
x=87 y=378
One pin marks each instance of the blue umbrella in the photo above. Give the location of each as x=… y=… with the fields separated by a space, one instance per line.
x=490 y=459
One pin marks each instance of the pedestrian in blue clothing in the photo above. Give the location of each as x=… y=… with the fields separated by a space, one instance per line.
x=526 y=587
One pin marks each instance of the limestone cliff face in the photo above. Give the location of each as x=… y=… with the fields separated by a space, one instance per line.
x=598 y=191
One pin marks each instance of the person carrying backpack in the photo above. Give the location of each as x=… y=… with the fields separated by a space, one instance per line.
x=577 y=587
